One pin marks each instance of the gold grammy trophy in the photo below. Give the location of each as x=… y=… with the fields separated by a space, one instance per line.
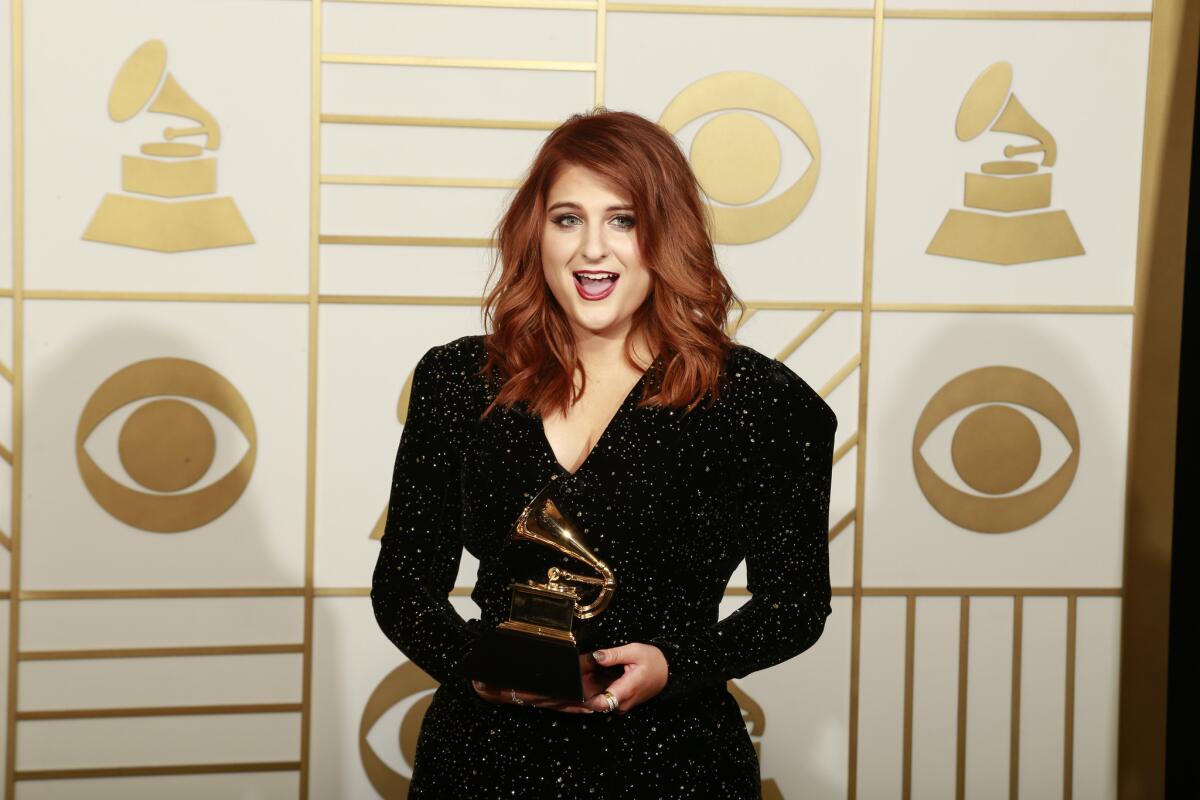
x=536 y=648
x=156 y=220
x=995 y=234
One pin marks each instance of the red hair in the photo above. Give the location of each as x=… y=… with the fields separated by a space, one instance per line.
x=531 y=347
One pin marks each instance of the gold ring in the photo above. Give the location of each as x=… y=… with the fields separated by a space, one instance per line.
x=611 y=700
x=516 y=700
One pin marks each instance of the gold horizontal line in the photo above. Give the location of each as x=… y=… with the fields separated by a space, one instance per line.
x=166 y=769
x=160 y=711
x=840 y=375
x=5 y=372
x=842 y=523
x=160 y=652
x=342 y=591
x=398 y=300
x=806 y=306
x=845 y=447
x=750 y=11
x=142 y=594
x=1120 y=16
x=804 y=334
x=198 y=297
x=992 y=591
x=572 y=5
x=406 y=241
x=6 y=292
x=412 y=180
x=449 y=61
x=1002 y=308
x=440 y=122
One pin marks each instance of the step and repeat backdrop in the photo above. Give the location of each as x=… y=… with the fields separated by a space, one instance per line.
x=231 y=227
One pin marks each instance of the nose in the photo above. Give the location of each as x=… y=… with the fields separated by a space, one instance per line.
x=595 y=243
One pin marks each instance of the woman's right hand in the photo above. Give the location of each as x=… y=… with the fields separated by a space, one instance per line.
x=595 y=680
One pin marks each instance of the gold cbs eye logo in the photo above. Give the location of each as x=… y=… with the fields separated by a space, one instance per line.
x=996 y=449
x=405 y=681
x=166 y=445
x=736 y=156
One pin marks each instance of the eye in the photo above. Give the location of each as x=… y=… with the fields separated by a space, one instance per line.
x=1005 y=428
x=391 y=717
x=737 y=157
x=165 y=445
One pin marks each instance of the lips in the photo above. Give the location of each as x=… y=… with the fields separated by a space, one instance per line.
x=595 y=284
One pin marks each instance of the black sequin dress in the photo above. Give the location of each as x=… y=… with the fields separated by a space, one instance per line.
x=673 y=502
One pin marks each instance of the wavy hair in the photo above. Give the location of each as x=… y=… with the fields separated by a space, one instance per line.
x=531 y=349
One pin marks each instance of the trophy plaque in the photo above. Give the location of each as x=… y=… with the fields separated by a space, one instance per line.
x=535 y=649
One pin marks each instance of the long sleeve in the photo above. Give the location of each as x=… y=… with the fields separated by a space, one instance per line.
x=784 y=506
x=422 y=541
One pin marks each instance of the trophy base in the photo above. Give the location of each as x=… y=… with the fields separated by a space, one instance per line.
x=530 y=663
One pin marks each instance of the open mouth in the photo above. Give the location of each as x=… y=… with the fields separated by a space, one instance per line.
x=595 y=284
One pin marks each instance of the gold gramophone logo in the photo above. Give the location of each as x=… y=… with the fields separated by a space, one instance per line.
x=166 y=445
x=405 y=681
x=996 y=449
x=756 y=724
x=1002 y=223
x=737 y=157
x=165 y=208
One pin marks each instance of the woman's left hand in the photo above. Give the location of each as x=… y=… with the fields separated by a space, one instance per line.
x=643 y=675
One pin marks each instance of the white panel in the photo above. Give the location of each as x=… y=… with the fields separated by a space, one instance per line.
x=428 y=151
x=160 y=622
x=806 y=705
x=1043 y=694
x=989 y=697
x=1080 y=542
x=1085 y=82
x=241 y=785
x=825 y=63
x=160 y=681
x=4 y=676
x=405 y=270
x=508 y=33
x=411 y=210
x=351 y=657
x=358 y=430
x=1023 y=5
x=245 y=61
x=881 y=698
x=455 y=92
x=6 y=152
x=1097 y=693
x=218 y=738
x=935 y=698
x=72 y=347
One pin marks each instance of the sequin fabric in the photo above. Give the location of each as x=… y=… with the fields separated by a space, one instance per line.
x=673 y=502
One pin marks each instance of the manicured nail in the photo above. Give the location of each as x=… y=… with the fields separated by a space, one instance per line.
x=600 y=655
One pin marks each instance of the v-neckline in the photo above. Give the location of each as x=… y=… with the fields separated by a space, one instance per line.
x=541 y=427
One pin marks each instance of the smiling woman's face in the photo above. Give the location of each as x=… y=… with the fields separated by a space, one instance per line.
x=590 y=229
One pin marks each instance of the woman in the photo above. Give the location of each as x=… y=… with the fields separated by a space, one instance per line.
x=680 y=453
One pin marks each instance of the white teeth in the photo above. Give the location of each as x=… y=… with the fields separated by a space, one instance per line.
x=597 y=275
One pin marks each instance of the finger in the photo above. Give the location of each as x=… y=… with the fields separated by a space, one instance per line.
x=612 y=656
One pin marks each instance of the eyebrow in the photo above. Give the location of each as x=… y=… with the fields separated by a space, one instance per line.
x=573 y=204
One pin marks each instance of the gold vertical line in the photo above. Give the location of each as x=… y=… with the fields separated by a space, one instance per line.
x=863 y=376
x=960 y=743
x=18 y=388
x=601 y=61
x=314 y=288
x=1166 y=167
x=1069 y=704
x=1014 y=733
x=910 y=636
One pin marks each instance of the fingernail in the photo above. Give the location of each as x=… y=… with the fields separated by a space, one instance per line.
x=599 y=655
